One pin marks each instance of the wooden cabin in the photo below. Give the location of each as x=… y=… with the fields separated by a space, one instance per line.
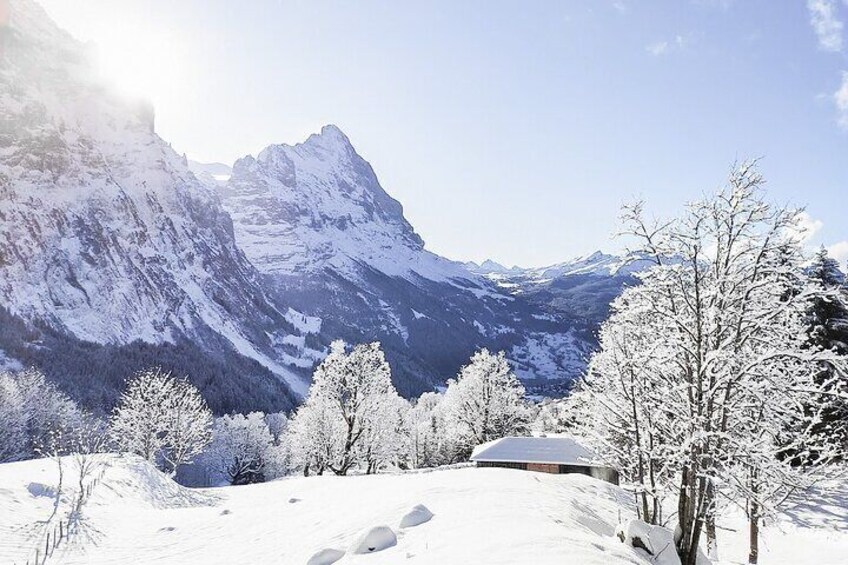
x=557 y=455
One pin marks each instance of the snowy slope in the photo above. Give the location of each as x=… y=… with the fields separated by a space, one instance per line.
x=481 y=516
x=812 y=530
x=108 y=239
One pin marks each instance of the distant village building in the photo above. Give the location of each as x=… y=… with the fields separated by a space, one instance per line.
x=558 y=455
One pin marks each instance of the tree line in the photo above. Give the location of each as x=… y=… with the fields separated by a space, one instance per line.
x=352 y=420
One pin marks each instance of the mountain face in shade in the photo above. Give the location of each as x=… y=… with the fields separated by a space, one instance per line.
x=112 y=254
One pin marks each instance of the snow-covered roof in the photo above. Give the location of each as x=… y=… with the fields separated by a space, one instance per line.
x=556 y=450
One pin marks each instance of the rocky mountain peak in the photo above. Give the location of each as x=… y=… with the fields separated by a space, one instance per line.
x=313 y=205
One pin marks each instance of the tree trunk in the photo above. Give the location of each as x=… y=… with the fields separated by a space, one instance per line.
x=690 y=515
x=754 y=534
x=712 y=541
x=684 y=522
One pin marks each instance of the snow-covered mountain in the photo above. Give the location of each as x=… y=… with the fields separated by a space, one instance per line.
x=579 y=290
x=597 y=263
x=112 y=254
x=317 y=205
x=315 y=220
x=116 y=254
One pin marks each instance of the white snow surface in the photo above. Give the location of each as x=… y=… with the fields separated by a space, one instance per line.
x=419 y=514
x=813 y=529
x=656 y=540
x=326 y=557
x=481 y=517
x=374 y=539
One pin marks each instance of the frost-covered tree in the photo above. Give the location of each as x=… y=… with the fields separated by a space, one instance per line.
x=188 y=425
x=553 y=416
x=139 y=422
x=385 y=440
x=162 y=419
x=707 y=359
x=427 y=432
x=240 y=448
x=617 y=406
x=32 y=413
x=277 y=423
x=314 y=435
x=13 y=428
x=485 y=402
x=338 y=425
x=828 y=330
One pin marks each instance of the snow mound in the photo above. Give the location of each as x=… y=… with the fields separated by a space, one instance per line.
x=415 y=517
x=325 y=557
x=133 y=479
x=656 y=541
x=375 y=539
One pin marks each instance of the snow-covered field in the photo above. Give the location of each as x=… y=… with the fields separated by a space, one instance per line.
x=480 y=516
x=813 y=529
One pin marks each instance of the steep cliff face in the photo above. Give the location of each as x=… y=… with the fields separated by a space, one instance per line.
x=107 y=238
x=318 y=206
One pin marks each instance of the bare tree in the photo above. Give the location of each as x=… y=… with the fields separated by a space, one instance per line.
x=88 y=440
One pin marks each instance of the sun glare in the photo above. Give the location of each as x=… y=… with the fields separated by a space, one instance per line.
x=142 y=64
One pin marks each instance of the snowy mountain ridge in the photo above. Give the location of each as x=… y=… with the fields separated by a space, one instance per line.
x=597 y=263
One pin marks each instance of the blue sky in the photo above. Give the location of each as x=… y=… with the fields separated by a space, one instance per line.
x=508 y=130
